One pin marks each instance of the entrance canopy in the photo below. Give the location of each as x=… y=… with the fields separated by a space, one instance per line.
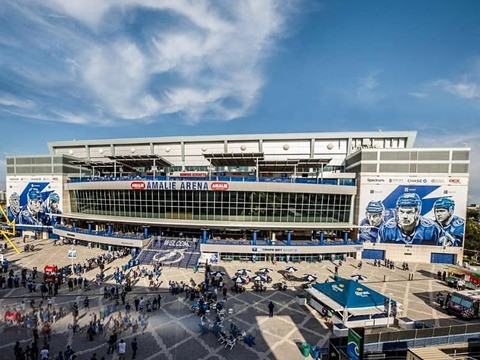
x=351 y=294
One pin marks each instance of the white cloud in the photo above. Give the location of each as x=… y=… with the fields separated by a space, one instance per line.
x=365 y=91
x=464 y=89
x=117 y=74
x=465 y=86
x=90 y=12
x=418 y=95
x=368 y=83
x=201 y=59
x=8 y=100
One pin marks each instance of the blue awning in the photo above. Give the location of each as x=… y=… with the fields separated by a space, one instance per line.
x=351 y=294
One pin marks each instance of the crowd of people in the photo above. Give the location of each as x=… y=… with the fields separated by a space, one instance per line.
x=40 y=315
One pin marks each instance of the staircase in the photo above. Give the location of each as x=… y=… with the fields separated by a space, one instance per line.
x=191 y=258
x=159 y=246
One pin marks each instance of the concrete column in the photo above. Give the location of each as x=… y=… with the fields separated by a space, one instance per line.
x=89 y=227
x=110 y=230
x=74 y=225
x=204 y=237
x=289 y=237
x=273 y=236
x=145 y=232
x=254 y=239
x=345 y=237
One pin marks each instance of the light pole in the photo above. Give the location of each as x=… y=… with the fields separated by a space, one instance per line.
x=389 y=308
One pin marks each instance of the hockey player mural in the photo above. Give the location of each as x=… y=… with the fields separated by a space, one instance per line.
x=423 y=214
x=34 y=201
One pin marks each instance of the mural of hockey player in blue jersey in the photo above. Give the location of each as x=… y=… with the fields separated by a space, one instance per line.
x=374 y=217
x=31 y=212
x=51 y=210
x=13 y=207
x=408 y=227
x=453 y=226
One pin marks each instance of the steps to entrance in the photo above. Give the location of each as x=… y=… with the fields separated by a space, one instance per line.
x=171 y=252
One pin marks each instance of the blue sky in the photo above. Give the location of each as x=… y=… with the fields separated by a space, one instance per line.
x=107 y=69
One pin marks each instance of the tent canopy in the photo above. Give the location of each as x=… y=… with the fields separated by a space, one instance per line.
x=351 y=294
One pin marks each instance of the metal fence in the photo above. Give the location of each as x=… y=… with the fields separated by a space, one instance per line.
x=402 y=340
x=317 y=181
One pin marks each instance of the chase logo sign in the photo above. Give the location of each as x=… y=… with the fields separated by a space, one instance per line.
x=137 y=185
x=219 y=186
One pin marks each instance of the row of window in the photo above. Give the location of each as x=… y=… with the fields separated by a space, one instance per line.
x=219 y=206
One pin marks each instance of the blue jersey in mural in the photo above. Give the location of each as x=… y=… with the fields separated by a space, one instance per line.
x=426 y=232
x=26 y=217
x=453 y=232
x=368 y=233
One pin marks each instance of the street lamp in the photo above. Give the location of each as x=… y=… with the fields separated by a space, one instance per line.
x=389 y=309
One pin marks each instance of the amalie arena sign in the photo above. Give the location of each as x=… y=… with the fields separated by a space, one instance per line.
x=180 y=185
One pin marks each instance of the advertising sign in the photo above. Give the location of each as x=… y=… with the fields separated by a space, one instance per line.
x=34 y=200
x=354 y=345
x=180 y=185
x=417 y=211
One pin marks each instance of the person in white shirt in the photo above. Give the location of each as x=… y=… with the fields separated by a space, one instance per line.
x=122 y=348
x=44 y=354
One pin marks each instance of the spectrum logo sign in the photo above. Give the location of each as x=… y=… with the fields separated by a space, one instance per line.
x=137 y=185
x=219 y=186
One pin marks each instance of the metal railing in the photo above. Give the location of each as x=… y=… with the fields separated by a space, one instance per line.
x=315 y=181
x=100 y=233
x=436 y=336
x=281 y=242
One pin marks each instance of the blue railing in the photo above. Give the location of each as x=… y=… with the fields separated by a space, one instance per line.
x=100 y=233
x=282 y=242
x=319 y=181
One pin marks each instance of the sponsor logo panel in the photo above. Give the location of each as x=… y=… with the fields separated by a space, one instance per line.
x=137 y=185
x=219 y=186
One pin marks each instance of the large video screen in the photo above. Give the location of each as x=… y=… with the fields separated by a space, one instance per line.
x=34 y=200
x=413 y=210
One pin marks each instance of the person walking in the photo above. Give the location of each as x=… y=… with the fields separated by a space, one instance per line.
x=271 y=306
x=112 y=342
x=134 y=348
x=18 y=351
x=122 y=349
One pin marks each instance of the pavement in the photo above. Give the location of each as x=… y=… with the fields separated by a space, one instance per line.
x=173 y=332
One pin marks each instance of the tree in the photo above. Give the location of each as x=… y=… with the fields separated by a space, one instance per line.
x=472 y=235
x=473 y=214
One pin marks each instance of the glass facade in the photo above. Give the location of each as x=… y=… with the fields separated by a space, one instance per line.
x=239 y=206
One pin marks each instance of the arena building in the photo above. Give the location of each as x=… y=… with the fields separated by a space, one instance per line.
x=283 y=197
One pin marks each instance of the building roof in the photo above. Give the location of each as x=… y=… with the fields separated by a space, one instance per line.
x=102 y=166
x=291 y=165
x=234 y=159
x=146 y=161
x=409 y=135
x=351 y=294
x=128 y=163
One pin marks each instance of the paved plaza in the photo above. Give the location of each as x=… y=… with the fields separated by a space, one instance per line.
x=173 y=331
